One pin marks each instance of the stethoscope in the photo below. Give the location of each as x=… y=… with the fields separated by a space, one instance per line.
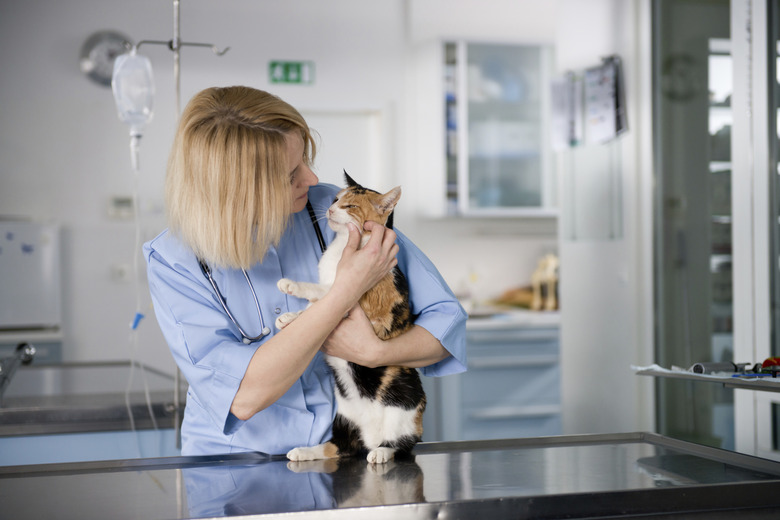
x=247 y=339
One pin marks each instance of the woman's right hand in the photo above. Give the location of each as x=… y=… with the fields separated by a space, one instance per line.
x=361 y=269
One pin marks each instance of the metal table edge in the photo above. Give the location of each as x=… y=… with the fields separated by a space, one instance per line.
x=720 y=455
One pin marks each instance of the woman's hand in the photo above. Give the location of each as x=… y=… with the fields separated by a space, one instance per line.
x=360 y=269
x=354 y=340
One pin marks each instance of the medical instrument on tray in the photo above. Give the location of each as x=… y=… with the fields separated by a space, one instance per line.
x=709 y=367
x=737 y=369
x=264 y=330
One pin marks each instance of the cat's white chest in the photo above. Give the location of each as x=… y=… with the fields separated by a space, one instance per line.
x=375 y=420
x=330 y=260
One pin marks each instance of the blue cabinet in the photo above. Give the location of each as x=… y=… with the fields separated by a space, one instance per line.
x=511 y=389
x=92 y=446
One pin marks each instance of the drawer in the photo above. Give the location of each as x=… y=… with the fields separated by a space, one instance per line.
x=511 y=382
x=515 y=342
x=513 y=336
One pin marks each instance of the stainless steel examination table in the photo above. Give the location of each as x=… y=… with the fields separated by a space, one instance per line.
x=584 y=476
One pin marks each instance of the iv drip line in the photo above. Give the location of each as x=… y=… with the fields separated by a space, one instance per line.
x=133 y=87
x=174 y=45
x=138 y=316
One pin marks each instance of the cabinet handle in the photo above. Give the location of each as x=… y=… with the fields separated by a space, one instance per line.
x=514 y=412
x=512 y=362
x=512 y=337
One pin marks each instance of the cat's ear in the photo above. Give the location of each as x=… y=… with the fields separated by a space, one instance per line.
x=350 y=181
x=388 y=201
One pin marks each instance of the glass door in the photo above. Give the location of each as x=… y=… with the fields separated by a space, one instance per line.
x=773 y=89
x=692 y=141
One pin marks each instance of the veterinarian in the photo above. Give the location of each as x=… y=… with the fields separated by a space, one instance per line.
x=238 y=184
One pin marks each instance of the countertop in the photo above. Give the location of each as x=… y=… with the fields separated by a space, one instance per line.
x=583 y=476
x=496 y=318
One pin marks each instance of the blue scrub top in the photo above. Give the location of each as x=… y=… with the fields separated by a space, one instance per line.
x=207 y=346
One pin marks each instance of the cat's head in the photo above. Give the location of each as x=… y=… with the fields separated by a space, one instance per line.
x=357 y=204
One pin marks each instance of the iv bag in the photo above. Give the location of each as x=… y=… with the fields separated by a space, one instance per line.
x=133 y=88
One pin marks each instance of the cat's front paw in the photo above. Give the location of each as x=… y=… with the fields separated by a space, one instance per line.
x=287 y=286
x=285 y=319
x=380 y=455
x=304 y=453
x=327 y=450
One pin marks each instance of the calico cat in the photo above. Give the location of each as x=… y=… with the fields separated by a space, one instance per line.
x=379 y=409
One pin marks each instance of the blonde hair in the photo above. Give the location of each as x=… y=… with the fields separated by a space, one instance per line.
x=227 y=190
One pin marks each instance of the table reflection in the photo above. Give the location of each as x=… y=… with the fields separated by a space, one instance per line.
x=283 y=486
x=590 y=475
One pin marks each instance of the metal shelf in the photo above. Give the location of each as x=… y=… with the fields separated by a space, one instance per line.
x=765 y=384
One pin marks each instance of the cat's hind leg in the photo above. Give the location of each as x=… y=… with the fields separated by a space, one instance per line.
x=327 y=450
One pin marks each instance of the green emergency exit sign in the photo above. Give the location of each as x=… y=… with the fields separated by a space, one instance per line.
x=291 y=72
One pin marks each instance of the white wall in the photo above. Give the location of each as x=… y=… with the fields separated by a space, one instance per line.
x=606 y=285
x=64 y=154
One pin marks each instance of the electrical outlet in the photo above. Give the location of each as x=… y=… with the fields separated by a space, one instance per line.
x=121 y=273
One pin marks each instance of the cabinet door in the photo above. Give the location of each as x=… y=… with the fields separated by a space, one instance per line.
x=498 y=152
x=511 y=388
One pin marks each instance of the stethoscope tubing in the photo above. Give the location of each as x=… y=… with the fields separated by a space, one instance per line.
x=247 y=339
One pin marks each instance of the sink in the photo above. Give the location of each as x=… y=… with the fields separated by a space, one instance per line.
x=84 y=378
x=86 y=397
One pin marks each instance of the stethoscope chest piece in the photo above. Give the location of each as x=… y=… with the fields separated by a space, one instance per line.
x=247 y=339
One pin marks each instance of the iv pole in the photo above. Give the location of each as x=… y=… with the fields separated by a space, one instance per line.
x=175 y=45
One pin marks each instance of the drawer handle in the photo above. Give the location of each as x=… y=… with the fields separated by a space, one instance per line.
x=514 y=412
x=513 y=337
x=512 y=362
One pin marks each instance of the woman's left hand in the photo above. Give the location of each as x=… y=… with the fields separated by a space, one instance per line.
x=355 y=340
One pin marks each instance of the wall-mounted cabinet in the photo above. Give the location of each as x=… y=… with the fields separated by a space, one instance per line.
x=487 y=143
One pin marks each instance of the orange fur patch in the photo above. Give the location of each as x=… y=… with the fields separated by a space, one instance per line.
x=418 y=419
x=330 y=450
x=378 y=304
x=390 y=374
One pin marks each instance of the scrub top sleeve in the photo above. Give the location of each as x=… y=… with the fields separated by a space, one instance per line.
x=210 y=356
x=438 y=310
